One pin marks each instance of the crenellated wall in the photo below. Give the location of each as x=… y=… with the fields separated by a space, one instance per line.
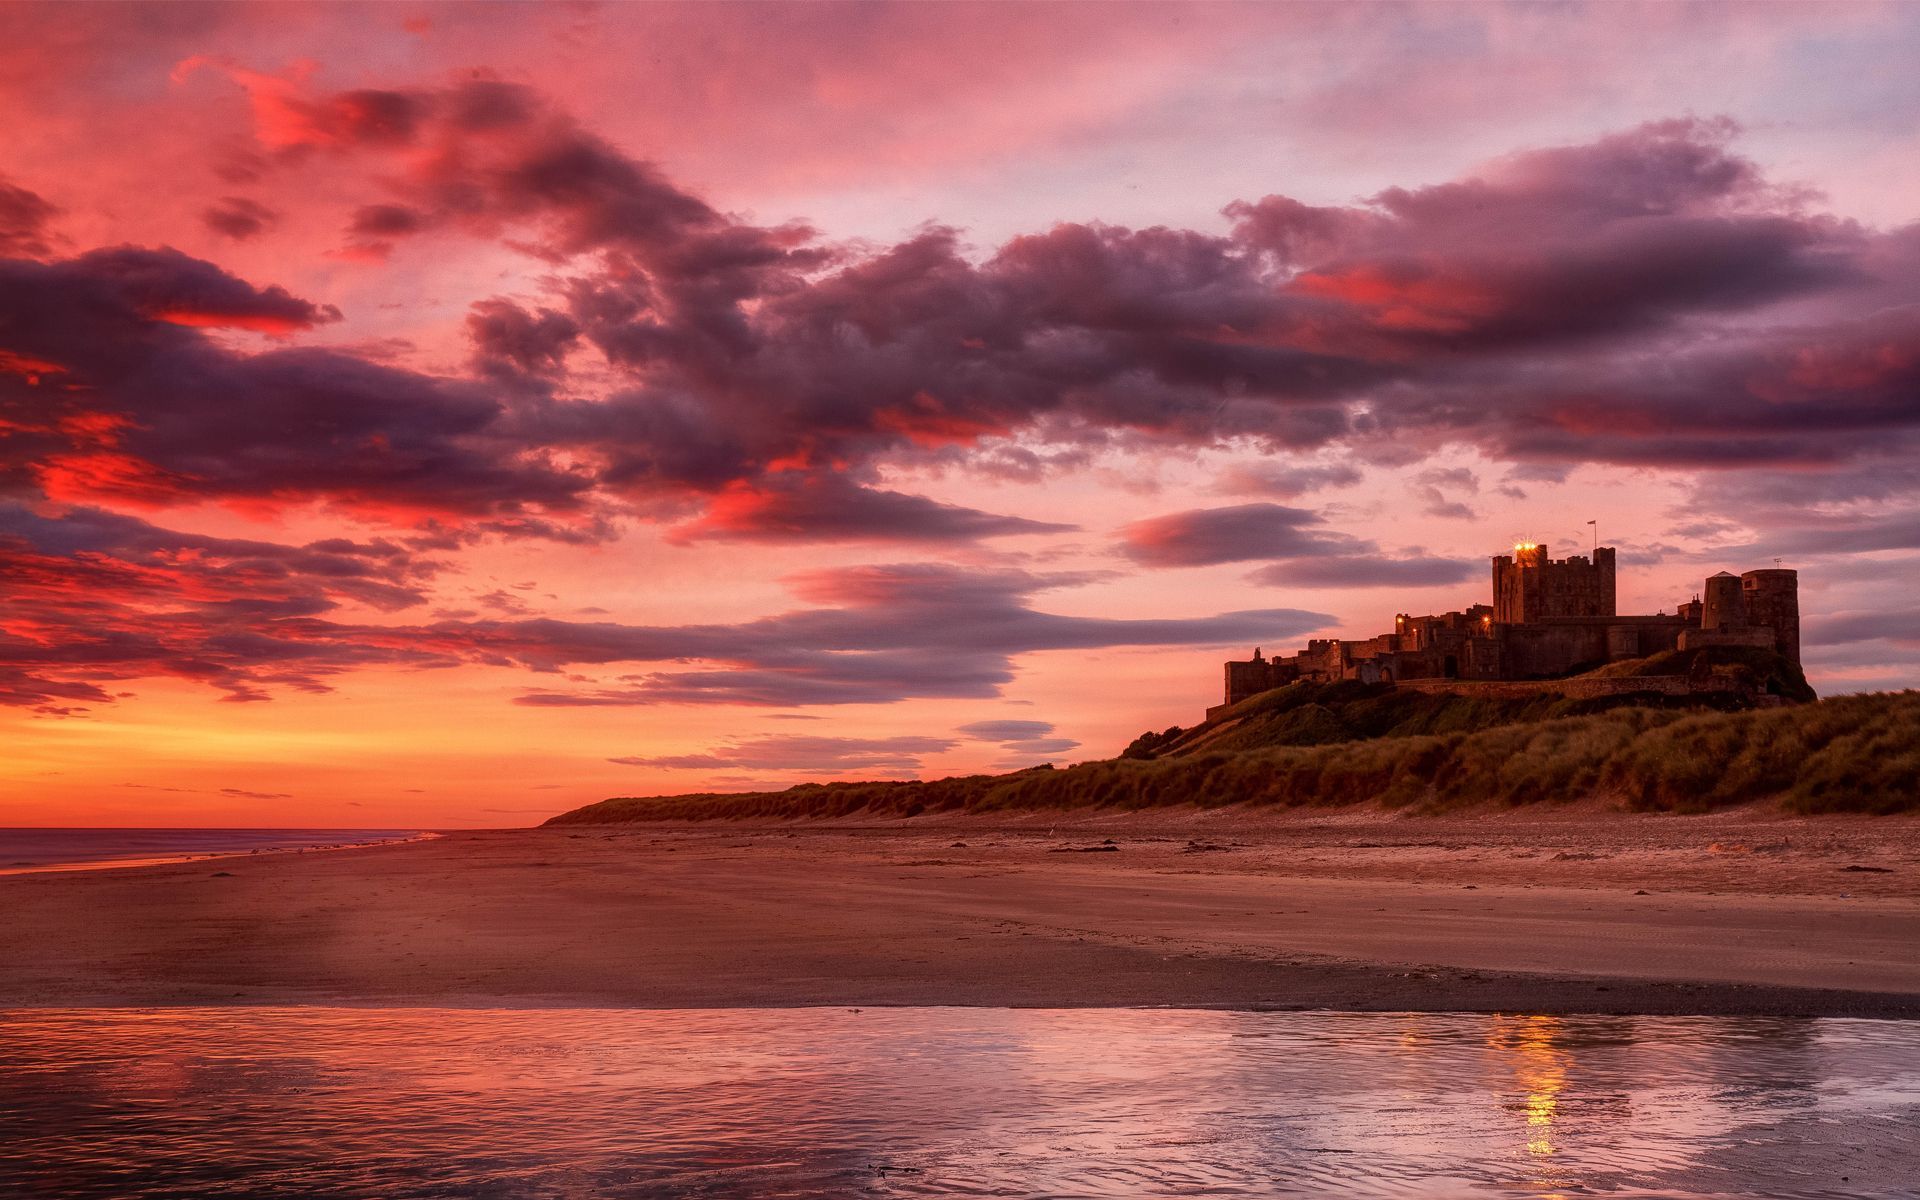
x=1529 y=586
x=1549 y=619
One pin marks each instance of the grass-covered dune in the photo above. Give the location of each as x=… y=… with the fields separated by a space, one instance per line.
x=1858 y=754
x=1311 y=714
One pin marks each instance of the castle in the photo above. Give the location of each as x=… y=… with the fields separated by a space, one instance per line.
x=1549 y=618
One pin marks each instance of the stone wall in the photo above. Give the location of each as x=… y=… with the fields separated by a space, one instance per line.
x=1577 y=689
x=1753 y=635
x=1560 y=646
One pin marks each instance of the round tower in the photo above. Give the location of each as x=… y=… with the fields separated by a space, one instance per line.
x=1772 y=597
x=1724 y=603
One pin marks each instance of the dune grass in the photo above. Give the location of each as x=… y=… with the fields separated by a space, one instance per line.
x=1315 y=714
x=1856 y=754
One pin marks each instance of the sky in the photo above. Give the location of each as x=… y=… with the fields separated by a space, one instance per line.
x=447 y=415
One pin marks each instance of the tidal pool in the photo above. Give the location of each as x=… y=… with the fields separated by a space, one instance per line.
x=484 y=1103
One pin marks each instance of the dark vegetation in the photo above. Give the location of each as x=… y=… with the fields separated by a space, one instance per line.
x=1423 y=753
x=1318 y=714
x=1740 y=668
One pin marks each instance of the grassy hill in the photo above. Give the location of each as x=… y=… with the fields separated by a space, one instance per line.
x=1314 y=714
x=1346 y=744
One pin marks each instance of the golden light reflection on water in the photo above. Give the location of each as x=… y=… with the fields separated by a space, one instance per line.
x=1540 y=1066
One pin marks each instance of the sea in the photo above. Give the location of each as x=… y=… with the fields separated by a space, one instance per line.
x=563 y=1104
x=23 y=850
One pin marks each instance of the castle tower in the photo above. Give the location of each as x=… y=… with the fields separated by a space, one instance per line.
x=1529 y=586
x=1772 y=599
x=1516 y=583
x=1724 y=606
x=1603 y=557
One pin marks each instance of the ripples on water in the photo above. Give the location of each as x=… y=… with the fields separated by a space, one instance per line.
x=831 y=1102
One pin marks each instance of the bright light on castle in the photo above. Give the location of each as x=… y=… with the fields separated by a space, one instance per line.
x=1524 y=545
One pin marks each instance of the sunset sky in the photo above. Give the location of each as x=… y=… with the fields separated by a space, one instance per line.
x=449 y=415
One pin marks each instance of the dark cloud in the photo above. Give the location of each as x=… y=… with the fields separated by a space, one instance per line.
x=344 y=121
x=819 y=755
x=1026 y=742
x=1901 y=626
x=1454 y=478
x=1238 y=533
x=114 y=394
x=239 y=218
x=1037 y=748
x=95 y=599
x=1790 y=495
x=1647 y=298
x=1539 y=472
x=908 y=630
x=1481 y=311
x=1369 y=570
x=756 y=349
x=1435 y=489
x=1282 y=482
x=234 y=574
x=1551 y=308
x=386 y=221
x=24 y=218
x=375 y=228
x=509 y=340
x=122 y=293
x=1006 y=731
x=1550 y=246
x=1836 y=397
x=28 y=687
x=796 y=507
x=1308 y=555
x=1807 y=533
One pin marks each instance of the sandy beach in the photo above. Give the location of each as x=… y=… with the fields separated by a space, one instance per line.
x=1556 y=911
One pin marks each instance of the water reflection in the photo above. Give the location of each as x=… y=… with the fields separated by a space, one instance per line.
x=365 y=1103
x=1540 y=1068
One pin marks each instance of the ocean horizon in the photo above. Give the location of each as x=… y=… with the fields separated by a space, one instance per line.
x=26 y=849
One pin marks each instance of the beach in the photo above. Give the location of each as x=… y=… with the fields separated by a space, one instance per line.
x=1569 y=910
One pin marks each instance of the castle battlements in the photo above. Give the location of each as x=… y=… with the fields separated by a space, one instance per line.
x=1550 y=618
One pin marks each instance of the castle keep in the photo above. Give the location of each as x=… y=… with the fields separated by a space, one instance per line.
x=1550 y=618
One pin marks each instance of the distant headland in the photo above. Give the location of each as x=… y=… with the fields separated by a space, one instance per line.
x=1546 y=695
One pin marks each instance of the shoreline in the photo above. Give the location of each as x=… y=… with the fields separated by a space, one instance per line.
x=164 y=860
x=1872 y=1013
x=1577 y=913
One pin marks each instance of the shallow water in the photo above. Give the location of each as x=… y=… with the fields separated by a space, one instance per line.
x=26 y=850
x=399 y=1103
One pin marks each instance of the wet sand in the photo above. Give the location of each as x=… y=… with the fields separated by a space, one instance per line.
x=1556 y=912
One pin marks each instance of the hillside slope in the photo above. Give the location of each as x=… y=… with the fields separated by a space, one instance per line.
x=1315 y=714
x=1857 y=754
